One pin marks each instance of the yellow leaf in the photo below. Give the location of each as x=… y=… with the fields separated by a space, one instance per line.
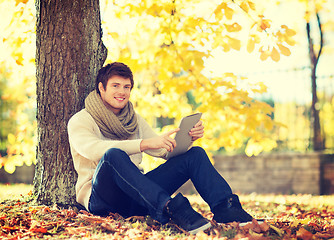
x=284 y=50
x=275 y=55
x=11 y=139
x=253 y=148
x=234 y=43
x=218 y=10
x=251 y=5
x=290 y=41
x=154 y=10
x=268 y=125
x=288 y=31
x=20 y=1
x=223 y=8
x=226 y=47
x=18 y=58
x=260 y=87
x=265 y=23
x=307 y=16
x=235 y=27
x=229 y=13
x=250 y=45
x=264 y=54
x=277 y=230
x=135 y=224
x=113 y=34
x=244 y=6
x=10 y=167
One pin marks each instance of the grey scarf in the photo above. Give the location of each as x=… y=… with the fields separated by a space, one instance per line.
x=117 y=127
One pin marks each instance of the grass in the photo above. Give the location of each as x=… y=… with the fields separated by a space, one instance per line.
x=14 y=191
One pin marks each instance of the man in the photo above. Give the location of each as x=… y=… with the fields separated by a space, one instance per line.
x=107 y=138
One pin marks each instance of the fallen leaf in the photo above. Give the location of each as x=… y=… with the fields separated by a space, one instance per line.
x=264 y=227
x=302 y=233
x=277 y=230
x=38 y=230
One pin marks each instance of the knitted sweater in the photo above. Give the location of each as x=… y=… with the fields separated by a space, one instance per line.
x=88 y=145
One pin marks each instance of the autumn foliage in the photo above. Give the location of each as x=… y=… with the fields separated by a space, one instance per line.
x=20 y=219
x=18 y=91
x=169 y=55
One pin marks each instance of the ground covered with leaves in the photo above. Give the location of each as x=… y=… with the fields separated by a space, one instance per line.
x=286 y=217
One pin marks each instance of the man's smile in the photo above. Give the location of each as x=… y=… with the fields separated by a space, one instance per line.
x=120 y=98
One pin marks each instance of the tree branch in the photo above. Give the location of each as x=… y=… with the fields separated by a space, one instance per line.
x=321 y=37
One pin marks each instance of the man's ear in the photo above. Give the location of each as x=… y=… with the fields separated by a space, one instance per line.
x=101 y=88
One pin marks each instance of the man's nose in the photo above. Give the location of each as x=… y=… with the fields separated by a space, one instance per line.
x=122 y=90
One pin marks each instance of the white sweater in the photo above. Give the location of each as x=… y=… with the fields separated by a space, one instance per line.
x=88 y=145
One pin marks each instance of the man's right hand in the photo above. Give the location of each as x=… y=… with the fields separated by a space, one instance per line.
x=163 y=141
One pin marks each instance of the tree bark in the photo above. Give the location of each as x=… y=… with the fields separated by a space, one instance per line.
x=318 y=141
x=69 y=53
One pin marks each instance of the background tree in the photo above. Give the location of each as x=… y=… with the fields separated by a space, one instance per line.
x=314 y=54
x=69 y=54
x=313 y=22
x=316 y=44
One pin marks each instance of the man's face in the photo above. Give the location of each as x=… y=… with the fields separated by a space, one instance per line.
x=117 y=93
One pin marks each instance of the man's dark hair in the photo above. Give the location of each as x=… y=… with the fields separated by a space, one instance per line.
x=110 y=70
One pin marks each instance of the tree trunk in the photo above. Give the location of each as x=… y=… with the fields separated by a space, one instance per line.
x=318 y=141
x=69 y=54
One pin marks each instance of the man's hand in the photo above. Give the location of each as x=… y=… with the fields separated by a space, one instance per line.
x=197 y=131
x=163 y=141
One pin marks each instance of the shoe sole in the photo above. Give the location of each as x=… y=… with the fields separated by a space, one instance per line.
x=245 y=223
x=242 y=224
x=202 y=228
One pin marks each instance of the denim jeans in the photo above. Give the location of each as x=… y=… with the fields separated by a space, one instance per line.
x=118 y=186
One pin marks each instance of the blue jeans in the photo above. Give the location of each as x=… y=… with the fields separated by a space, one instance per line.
x=118 y=186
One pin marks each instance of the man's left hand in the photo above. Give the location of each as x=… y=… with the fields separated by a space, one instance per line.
x=197 y=131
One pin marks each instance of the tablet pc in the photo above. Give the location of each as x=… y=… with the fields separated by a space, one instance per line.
x=182 y=137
